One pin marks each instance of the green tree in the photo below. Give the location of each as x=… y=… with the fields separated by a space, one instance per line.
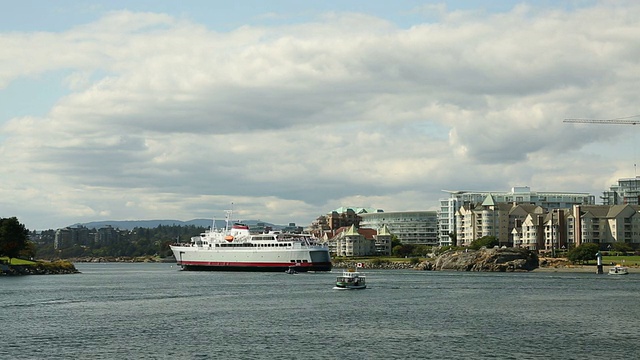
x=454 y=239
x=622 y=247
x=486 y=241
x=421 y=250
x=395 y=241
x=14 y=237
x=403 y=250
x=583 y=253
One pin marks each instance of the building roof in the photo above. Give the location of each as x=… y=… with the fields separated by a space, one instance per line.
x=352 y=231
x=384 y=230
x=357 y=210
x=489 y=201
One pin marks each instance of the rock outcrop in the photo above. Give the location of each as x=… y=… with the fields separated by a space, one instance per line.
x=40 y=268
x=498 y=260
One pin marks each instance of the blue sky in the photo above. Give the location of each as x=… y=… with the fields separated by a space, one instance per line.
x=131 y=110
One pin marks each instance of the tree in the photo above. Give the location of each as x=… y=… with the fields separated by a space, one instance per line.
x=622 y=247
x=403 y=250
x=14 y=237
x=583 y=253
x=486 y=241
x=421 y=250
x=454 y=239
x=395 y=241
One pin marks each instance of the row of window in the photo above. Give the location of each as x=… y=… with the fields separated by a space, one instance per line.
x=249 y=245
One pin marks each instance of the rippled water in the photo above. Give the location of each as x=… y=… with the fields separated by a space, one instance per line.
x=155 y=311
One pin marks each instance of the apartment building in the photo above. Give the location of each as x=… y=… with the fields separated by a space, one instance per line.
x=607 y=224
x=352 y=242
x=520 y=195
x=326 y=225
x=539 y=229
x=626 y=192
x=490 y=218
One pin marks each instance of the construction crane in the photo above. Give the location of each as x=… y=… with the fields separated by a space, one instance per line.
x=621 y=121
x=618 y=121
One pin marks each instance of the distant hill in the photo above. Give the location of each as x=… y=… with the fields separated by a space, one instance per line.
x=150 y=224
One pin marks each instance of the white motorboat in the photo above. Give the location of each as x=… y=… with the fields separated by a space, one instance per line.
x=619 y=270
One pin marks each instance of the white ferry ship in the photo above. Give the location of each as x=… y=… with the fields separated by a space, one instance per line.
x=234 y=248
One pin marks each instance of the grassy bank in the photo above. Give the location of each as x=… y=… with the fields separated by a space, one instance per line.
x=16 y=261
x=39 y=267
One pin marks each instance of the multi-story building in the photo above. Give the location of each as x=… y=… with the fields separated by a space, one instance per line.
x=626 y=192
x=63 y=239
x=69 y=236
x=107 y=235
x=383 y=240
x=518 y=195
x=352 y=242
x=607 y=224
x=327 y=225
x=544 y=230
x=503 y=221
x=410 y=227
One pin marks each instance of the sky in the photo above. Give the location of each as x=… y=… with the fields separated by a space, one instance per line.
x=286 y=110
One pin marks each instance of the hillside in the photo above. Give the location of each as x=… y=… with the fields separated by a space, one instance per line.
x=131 y=224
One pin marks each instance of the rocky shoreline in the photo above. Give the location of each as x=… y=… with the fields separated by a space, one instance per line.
x=489 y=260
x=127 y=259
x=40 y=267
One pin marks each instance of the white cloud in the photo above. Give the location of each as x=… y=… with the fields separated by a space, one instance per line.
x=167 y=119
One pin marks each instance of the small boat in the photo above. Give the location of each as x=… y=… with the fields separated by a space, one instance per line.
x=619 y=270
x=291 y=270
x=350 y=280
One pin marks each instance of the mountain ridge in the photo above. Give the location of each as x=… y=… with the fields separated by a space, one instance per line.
x=150 y=224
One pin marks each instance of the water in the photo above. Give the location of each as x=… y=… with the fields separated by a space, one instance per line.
x=154 y=311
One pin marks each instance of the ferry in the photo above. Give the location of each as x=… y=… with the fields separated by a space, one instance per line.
x=234 y=248
x=350 y=280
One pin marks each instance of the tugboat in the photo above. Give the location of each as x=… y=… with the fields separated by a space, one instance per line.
x=350 y=280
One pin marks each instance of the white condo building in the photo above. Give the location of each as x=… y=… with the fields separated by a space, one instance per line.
x=410 y=227
x=518 y=195
x=627 y=192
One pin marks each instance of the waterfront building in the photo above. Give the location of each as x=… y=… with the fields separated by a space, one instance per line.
x=501 y=220
x=107 y=235
x=518 y=195
x=562 y=229
x=63 y=238
x=626 y=192
x=607 y=224
x=410 y=227
x=524 y=226
x=336 y=219
x=383 y=240
x=69 y=236
x=353 y=242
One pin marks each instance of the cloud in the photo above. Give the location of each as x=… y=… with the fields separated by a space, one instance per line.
x=165 y=118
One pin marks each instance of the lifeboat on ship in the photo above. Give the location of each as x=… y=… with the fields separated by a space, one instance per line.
x=229 y=238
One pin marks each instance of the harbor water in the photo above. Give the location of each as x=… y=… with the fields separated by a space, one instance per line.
x=156 y=311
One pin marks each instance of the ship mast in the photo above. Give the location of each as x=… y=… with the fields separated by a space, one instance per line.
x=227 y=217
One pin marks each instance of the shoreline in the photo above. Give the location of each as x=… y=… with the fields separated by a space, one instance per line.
x=583 y=269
